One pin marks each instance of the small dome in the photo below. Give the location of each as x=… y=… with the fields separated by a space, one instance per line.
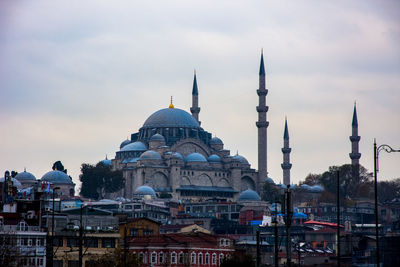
x=317 y=188
x=57 y=177
x=305 y=186
x=282 y=186
x=145 y=190
x=269 y=180
x=124 y=143
x=214 y=158
x=177 y=155
x=25 y=176
x=292 y=186
x=249 y=195
x=16 y=183
x=195 y=157
x=158 y=138
x=216 y=141
x=150 y=155
x=135 y=146
x=242 y=159
x=106 y=162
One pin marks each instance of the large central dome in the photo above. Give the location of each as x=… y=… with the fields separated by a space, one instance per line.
x=171 y=117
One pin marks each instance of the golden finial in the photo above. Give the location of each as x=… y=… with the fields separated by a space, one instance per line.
x=171 y=105
x=355 y=102
x=194 y=71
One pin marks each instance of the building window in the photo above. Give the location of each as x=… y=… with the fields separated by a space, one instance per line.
x=200 y=258
x=141 y=256
x=30 y=242
x=207 y=259
x=173 y=257
x=221 y=258
x=153 y=259
x=22 y=226
x=214 y=259
x=108 y=243
x=91 y=242
x=72 y=242
x=161 y=258
x=181 y=258
x=193 y=258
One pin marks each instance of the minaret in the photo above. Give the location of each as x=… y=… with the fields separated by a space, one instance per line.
x=195 y=100
x=262 y=124
x=286 y=165
x=355 y=139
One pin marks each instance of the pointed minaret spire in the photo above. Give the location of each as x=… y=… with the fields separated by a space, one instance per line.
x=195 y=100
x=286 y=165
x=262 y=125
x=355 y=155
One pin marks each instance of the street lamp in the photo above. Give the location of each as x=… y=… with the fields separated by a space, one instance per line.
x=52 y=228
x=378 y=149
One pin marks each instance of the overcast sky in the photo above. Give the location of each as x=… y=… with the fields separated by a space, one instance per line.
x=78 y=77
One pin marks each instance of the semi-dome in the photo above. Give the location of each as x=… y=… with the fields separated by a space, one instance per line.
x=25 y=176
x=317 y=188
x=124 y=143
x=240 y=158
x=16 y=183
x=249 y=195
x=157 y=138
x=106 y=162
x=150 y=155
x=270 y=180
x=214 y=158
x=57 y=177
x=135 y=146
x=171 y=117
x=195 y=157
x=145 y=190
x=216 y=141
x=177 y=155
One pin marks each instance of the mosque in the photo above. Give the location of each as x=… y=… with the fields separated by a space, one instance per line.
x=172 y=154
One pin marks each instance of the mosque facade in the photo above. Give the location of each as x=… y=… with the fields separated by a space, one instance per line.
x=172 y=154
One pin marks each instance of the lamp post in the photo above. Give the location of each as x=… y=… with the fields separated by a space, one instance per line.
x=52 y=228
x=388 y=149
x=80 y=237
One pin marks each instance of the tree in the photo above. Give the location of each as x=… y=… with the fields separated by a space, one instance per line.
x=238 y=261
x=115 y=258
x=58 y=166
x=99 y=178
x=271 y=192
x=388 y=190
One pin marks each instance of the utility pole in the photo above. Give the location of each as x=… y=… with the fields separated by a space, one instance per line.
x=276 y=260
x=80 y=238
x=125 y=246
x=338 y=216
x=287 y=203
x=258 y=248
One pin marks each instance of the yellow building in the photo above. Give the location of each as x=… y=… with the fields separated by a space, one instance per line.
x=139 y=227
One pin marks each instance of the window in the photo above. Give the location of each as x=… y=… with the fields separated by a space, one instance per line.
x=153 y=259
x=221 y=258
x=161 y=257
x=193 y=258
x=173 y=257
x=72 y=242
x=141 y=256
x=181 y=258
x=214 y=259
x=108 y=243
x=207 y=259
x=30 y=242
x=22 y=226
x=91 y=242
x=200 y=258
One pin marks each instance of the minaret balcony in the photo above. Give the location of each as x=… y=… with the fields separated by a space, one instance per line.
x=262 y=92
x=195 y=109
x=262 y=124
x=286 y=166
x=286 y=150
x=355 y=155
x=355 y=138
x=262 y=108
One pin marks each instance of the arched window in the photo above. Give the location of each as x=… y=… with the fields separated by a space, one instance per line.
x=173 y=257
x=221 y=258
x=200 y=258
x=22 y=226
x=214 y=259
x=207 y=259
x=141 y=256
x=193 y=258
x=153 y=258
x=181 y=257
x=161 y=257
